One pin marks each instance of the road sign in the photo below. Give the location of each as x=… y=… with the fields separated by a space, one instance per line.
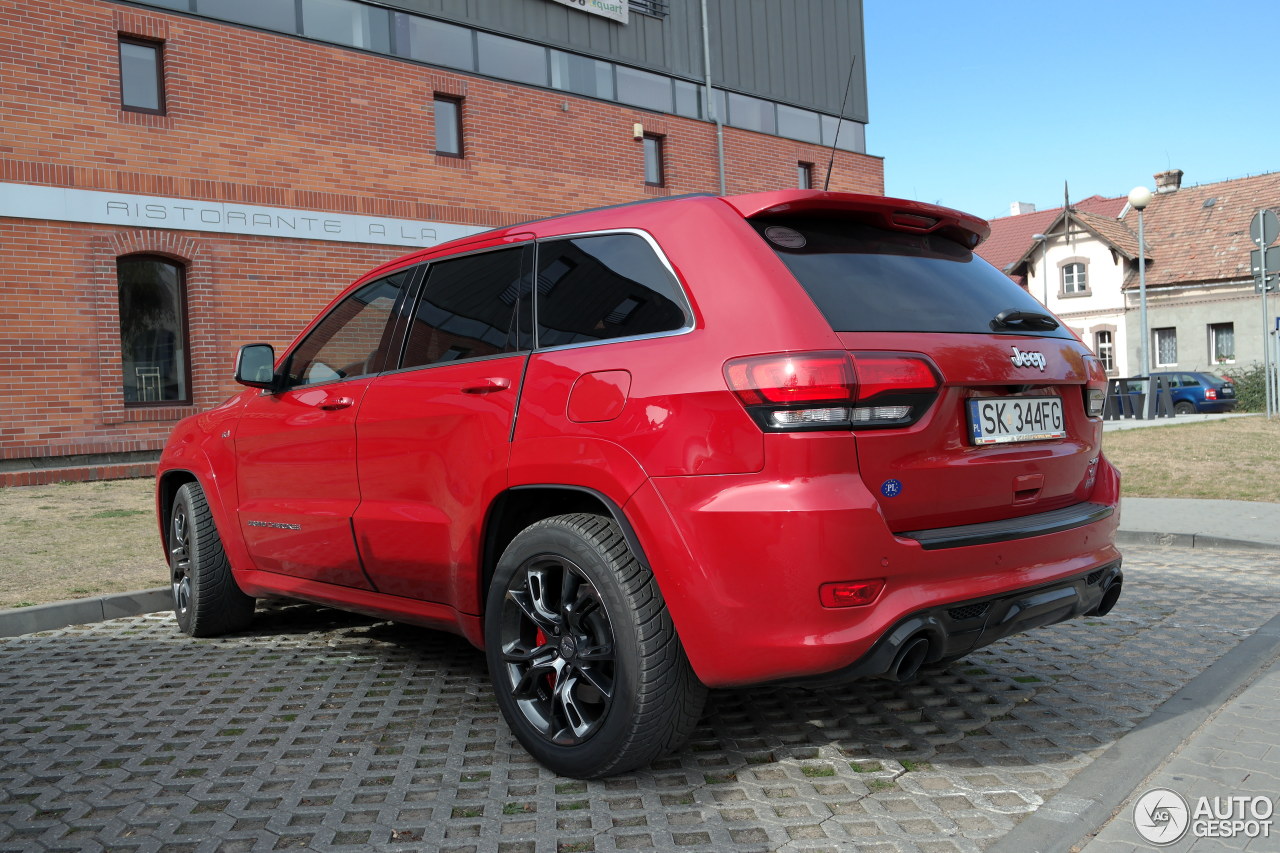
x=1263 y=229
x=1273 y=266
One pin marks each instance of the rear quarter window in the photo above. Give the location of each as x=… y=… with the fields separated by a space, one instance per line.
x=604 y=286
x=868 y=279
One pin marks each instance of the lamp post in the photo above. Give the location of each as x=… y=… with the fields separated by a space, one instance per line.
x=1139 y=198
x=1044 y=263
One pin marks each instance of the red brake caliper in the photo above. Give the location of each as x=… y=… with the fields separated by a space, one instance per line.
x=540 y=639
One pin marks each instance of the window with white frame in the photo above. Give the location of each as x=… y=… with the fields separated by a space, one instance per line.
x=1104 y=346
x=1164 y=342
x=1222 y=343
x=1074 y=280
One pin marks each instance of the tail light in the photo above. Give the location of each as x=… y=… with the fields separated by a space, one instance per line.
x=793 y=392
x=1211 y=393
x=1095 y=389
x=850 y=593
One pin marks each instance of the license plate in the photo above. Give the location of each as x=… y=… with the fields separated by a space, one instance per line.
x=1000 y=420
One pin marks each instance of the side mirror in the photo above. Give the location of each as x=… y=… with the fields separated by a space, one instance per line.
x=256 y=366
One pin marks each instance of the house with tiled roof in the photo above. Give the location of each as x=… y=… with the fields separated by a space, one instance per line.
x=1010 y=235
x=1203 y=312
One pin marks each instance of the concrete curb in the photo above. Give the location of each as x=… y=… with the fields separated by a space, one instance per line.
x=1193 y=540
x=82 y=611
x=1095 y=793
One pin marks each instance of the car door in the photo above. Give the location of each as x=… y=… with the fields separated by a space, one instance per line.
x=1191 y=389
x=434 y=435
x=298 y=485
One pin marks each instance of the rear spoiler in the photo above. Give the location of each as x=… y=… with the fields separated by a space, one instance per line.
x=892 y=213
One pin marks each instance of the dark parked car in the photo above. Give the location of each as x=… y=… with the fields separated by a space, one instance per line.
x=638 y=452
x=1198 y=392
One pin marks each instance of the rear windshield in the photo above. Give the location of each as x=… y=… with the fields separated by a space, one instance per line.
x=865 y=279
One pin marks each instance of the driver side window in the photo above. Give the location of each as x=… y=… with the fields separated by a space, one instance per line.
x=349 y=341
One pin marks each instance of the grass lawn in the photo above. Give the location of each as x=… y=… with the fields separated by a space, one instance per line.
x=1236 y=459
x=76 y=540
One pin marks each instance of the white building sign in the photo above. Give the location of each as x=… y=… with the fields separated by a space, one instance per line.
x=26 y=201
x=614 y=10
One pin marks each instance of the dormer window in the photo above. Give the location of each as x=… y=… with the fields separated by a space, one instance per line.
x=1075 y=281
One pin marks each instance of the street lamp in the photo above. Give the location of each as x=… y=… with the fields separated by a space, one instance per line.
x=1139 y=198
x=1044 y=263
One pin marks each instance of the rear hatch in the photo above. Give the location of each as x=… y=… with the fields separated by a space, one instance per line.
x=1006 y=432
x=1221 y=389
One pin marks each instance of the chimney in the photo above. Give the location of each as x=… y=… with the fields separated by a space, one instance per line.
x=1170 y=181
x=1020 y=207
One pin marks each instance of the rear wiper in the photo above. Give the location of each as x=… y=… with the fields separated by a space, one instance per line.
x=1015 y=319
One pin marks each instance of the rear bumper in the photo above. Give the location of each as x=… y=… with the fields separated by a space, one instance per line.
x=953 y=630
x=740 y=560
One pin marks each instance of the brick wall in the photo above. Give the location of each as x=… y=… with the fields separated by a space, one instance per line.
x=257 y=118
x=60 y=326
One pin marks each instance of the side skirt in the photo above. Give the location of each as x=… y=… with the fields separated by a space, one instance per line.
x=379 y=605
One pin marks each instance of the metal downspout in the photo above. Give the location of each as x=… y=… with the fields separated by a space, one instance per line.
x=711 y=101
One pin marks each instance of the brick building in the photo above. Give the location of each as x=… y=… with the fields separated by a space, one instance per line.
x=178 y=177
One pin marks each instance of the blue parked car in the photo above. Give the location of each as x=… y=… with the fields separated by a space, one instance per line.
x=1198 y=392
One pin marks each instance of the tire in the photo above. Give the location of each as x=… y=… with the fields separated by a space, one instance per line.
x=584 y=658
x=1183 y=407
x=206 y=599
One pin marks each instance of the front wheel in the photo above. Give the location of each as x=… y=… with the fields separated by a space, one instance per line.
x=585 y=662
x=206 y=599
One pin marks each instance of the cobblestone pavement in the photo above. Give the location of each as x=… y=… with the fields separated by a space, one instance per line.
x=324 y=731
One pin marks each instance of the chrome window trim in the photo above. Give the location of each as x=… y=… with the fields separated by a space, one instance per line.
x=686 y=305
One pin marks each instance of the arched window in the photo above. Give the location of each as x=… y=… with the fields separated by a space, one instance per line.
x=153 y=331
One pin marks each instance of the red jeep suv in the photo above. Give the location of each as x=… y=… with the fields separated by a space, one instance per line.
x=637 y=452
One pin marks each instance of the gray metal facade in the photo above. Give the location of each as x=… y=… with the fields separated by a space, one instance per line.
x=793 y=51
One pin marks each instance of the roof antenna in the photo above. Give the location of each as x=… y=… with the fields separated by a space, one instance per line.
x=839 y=121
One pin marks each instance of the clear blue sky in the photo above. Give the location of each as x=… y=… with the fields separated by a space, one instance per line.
x=978 y=104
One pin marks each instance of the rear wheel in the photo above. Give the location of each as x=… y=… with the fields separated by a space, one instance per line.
x=206 y=599
x=585 y=662
x=1183 y=407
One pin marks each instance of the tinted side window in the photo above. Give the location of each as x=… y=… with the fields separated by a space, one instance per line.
x=606 y=286
x=350 y=340
x=469 y=308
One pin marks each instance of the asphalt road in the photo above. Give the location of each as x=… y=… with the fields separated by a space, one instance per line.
x=319 y=730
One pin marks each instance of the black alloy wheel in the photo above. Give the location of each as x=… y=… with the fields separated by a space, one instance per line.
x=206 y=599
x=584 y=659
x=180 y=559
x=558 y=649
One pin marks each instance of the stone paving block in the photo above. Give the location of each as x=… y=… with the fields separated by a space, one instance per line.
x=325 y=731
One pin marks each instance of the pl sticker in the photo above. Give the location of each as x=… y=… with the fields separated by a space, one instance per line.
x=891 y=488
x=787 y=238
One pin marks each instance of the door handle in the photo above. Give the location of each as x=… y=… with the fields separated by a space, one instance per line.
x=488 y=386
x=335 y=403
